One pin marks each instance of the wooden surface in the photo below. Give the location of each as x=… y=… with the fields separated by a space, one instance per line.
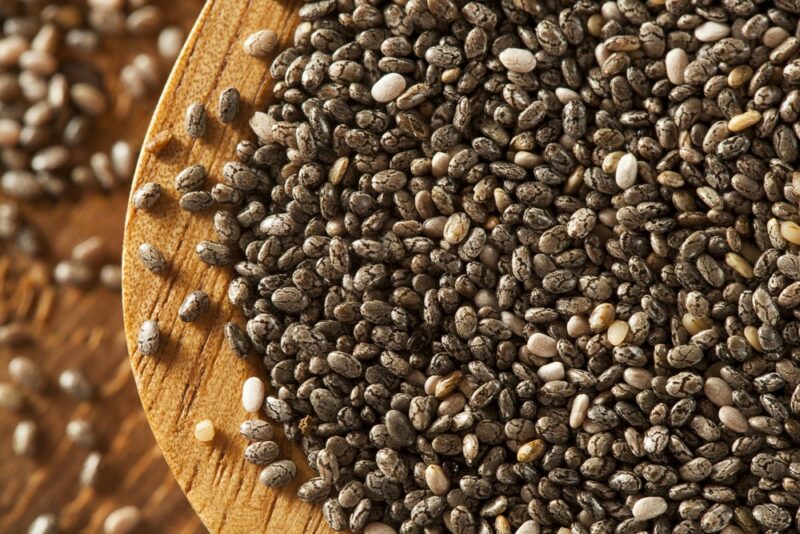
x=194 y=375
x=83 y=328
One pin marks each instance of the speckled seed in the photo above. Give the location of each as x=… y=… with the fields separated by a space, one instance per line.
x=146 y=196
x=194 y=305
x=229 y=103
x=204 y=431
x=518 y=60
x=262 y=452
x=388 y=87
x=195 y=121
x=256 y=430
x=647 y=508
x=278 y=474
x=149 y=338
x=542 y=345
x=122 y=520
x=314 y=491
x=152 y=258
x=253 y=394
x=260 y=43
x=733 y=419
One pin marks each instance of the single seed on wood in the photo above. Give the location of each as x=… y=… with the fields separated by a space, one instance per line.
x=146 y=196
x=195 y=120
x=260 y=43
x=152 y=258
x=204 y=431
x=193 y=306
x=149 y=338
x=229 y=103
x=158 y=142
x=122 y=520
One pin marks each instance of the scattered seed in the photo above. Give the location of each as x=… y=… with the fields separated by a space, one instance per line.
x=149 y=338
x=195 y=120
x=204 y=431
x=152 y=258
x=122 y=520
x=229 y=104
x=194 y=305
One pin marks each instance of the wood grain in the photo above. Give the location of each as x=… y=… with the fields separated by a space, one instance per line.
x=82 y=328
x=195 y=376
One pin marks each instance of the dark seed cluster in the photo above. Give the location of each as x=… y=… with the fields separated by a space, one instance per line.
x=527 y=266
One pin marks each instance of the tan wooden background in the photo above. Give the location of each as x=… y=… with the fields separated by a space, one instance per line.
x=83 y=328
